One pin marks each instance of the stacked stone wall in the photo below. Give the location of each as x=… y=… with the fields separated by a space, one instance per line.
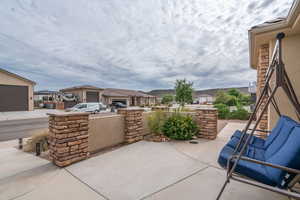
x=263 y=64
x=133 y=119
x=68 y=138
x=207 y=120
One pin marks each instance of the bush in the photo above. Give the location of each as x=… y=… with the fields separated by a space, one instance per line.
x=37 y=137
x=156 y=121
x=180 y=127
x=240 y=113
x=167 y=99
x=223 y=110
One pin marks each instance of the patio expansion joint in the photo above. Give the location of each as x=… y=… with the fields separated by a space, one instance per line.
x=176 y=182
x=195 y=159
x=33 y=189
x=97 y=192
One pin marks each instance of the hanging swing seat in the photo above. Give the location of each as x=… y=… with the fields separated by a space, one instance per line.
x=272 y=163
x=281 y=147
x=283 y=125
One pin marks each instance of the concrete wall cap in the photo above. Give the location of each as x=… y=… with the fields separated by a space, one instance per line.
x=67 y=114
x=206 y=109
x=131 y=109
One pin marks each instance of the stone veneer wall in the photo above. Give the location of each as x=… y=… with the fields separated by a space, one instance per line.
x=68 y=138
x=133 y=119
x=207 y=119
x=263 y=64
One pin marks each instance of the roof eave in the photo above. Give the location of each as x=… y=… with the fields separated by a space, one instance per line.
x=17 y=76
x=287 y=23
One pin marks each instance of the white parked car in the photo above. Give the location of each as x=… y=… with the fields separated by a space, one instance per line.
x=88 y=107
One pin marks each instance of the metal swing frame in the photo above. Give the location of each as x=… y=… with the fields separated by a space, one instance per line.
x=266 y=98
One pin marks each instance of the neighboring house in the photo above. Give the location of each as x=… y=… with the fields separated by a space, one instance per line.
x=45 y=95
x=16 y=92
x=262 y=42
x=85 y=93
x=128 y=97
x=205 y=99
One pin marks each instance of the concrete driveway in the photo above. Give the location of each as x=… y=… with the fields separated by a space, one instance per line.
x=144 y=170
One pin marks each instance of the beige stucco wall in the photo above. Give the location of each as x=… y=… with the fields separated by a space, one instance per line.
x=145 y=123
x=6 y=79
x=291 y=49
x=105 y=131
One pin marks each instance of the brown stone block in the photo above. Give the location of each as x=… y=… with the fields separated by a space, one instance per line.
x=60 y=123
x=74 y=134
x=73 y=125
x=82 y=137
x=83 y=145
x=76 y=159
x=62 y=163
x=56 y=131
x=60 y=119
x=74 y=142
x=66 y=140
x=62 y=149
x=74 y=147
x=84 y=124
x=75 y=118
x=84 y=128
x=61 y=145
x=61 y=136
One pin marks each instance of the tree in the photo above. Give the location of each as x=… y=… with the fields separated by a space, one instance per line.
x=245 y=99
x=221 y=97
x=232 y=101
x=184 y=92
x=167 y=99
x=234 y=92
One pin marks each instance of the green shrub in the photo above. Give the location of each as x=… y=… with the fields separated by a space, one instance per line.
x=240 y=113
x=180 y=127
x=156 y=120
x=41 y=137
x=223 y=110
x=167 y=99
x=232 y=101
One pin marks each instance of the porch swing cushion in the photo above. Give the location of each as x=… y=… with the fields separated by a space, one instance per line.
x=284 y=150
x=257 y=142
x=254 y=141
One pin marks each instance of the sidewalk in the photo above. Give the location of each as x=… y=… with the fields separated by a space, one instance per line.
x=38 y=113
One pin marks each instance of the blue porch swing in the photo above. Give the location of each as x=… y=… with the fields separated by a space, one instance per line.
x=272 y=163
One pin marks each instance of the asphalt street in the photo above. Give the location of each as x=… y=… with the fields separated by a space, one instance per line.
x=14 y=129
x=22 y=128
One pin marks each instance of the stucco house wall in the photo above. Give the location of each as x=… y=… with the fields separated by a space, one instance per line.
x=82 y=91
x=291 y=52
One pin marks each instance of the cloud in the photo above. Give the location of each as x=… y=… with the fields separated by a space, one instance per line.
x=131 y=44
x=266 y=3
x=251 y=6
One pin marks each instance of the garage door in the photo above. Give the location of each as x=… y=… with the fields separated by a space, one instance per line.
x=123 y=101
x=92 y=96
x=13 y=98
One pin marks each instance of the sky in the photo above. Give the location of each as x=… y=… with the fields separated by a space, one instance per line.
x=133 y=44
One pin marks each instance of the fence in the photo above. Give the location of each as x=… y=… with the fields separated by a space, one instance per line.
x=74 y=135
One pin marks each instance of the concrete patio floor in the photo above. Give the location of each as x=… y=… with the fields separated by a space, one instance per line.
x=144 y=170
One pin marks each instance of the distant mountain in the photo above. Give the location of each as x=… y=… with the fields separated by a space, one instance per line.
x=162 y=92
x=212 y=92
